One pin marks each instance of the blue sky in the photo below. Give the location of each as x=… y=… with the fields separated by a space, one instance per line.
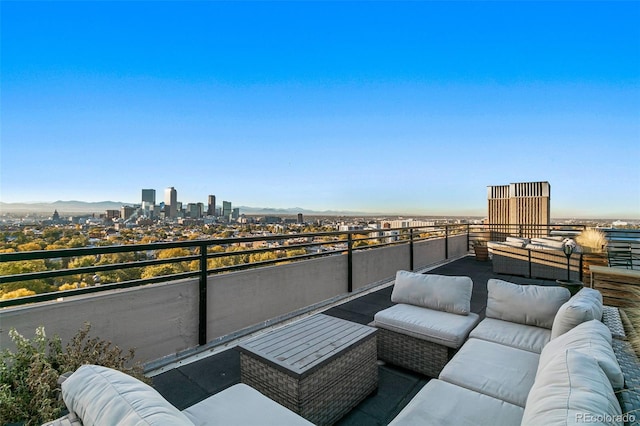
x=411 y=108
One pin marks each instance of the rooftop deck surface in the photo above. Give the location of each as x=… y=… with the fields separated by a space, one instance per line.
x=191 y=383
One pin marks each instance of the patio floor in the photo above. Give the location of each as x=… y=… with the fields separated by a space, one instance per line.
x=191 y=383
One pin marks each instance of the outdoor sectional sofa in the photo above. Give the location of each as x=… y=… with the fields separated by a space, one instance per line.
x=534 y=258
x=96 y=395
x=538 y=358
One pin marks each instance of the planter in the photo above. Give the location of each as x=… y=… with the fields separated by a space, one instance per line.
x=482 y=253
x=588 y=259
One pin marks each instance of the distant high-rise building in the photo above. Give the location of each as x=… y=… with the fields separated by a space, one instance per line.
x=226 y=209
x=211 y=207
x=193 y=210
x=149 y=196
x=235 y=213
x=171 y=202
x=127 y=211
x=300 y=218
x=523 y=208
x=112 y=214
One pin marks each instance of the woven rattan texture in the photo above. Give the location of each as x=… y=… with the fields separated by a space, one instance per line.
x=629 y=397
x=611 y=318
x=325 y=395
x=411 y=353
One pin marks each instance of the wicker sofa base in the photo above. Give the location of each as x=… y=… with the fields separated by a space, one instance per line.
x=629 y=397
x=414 y=354
x=325 y=395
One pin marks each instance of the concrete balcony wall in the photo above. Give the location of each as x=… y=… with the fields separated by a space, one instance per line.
x=370 y=266
x=157 y=320
x=242 y=299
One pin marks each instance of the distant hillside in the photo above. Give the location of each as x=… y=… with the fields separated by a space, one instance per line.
x=62 y=207
x=74 y=206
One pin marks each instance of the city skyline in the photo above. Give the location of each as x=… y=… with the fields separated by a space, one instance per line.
x=409 y=107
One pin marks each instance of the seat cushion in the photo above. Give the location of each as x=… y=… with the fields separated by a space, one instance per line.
x=439 y=292
x=594 y=339
x=526 y=337
x=103 y=396
x=434 y=326
x=493 y=369
x=585 y=305
x=242 y=405
x=443 y=404
x=571 y=389
x=524 y=304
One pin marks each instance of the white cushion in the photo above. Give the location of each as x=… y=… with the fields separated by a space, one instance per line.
x=526 y=337
x=593 y=338
x=571 y=390
x=548 y=242
x=493 y=369
x=585 y=305
x=242 y=405
x=522 y=241
x=443 y=404
x=103 y=396
x=524 y=304
x=438 y=327
x=440 y=292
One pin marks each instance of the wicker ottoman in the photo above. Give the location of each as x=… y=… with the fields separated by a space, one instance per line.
x=320 y=367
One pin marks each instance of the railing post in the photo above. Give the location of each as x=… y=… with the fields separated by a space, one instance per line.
x=349 y=263
x=446 y=242
x=411 y=249
x=468 y=236
x=202 y=297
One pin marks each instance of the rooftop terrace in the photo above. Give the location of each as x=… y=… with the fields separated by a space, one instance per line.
x=186 y=325
x=192 y=381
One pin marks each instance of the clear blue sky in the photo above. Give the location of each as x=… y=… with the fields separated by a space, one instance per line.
x=408 y=108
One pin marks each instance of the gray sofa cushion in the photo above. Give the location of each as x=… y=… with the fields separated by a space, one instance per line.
x=438 y=327
x=242 y=405
x=571 y=389
x=439 y=292
x=593 y=338
x=526 y=337
x=443 y=404
x=493 y=369
x=524 y=304
x=102 y=396
x=585 y=305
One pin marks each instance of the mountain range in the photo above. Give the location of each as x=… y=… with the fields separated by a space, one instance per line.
x=99 y=207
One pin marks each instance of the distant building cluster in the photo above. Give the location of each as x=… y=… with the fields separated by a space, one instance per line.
x=171 y=209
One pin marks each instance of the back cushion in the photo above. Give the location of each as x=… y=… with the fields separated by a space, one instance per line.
x=572 y=389
x=522 y=241
x=585 y=305
x=524 y=304
x=439 y=292
x=102 y=396
x=593 y=338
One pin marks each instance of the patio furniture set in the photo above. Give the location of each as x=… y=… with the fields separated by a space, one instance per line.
x=534 y=258
x=541 y=356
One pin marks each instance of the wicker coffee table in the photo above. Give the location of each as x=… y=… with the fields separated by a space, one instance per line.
x=320 y=367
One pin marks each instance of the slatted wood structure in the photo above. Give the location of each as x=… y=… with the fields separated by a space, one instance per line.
x=320 y=367
x=616 y=284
